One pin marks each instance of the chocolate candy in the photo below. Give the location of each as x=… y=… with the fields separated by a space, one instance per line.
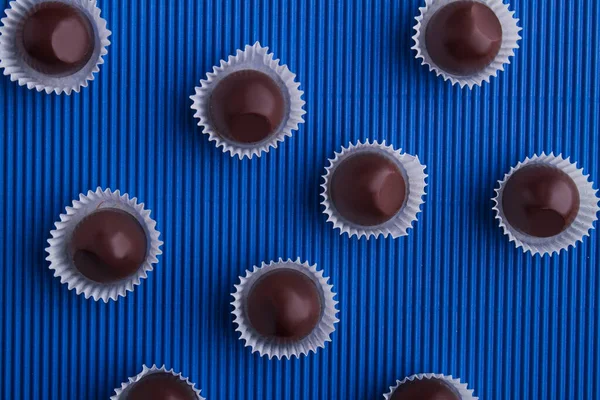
x=108 y=245
x=463 y=37
x=540 y=200
x=368 y=189
x=284 y=304
x=161 y=386
x=247 y=106
x=425 y=389
x=58 y=38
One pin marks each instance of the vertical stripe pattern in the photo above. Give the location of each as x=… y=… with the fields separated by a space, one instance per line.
x=454 y=297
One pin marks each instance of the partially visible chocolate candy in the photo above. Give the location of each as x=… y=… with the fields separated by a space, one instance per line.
x=540 y=200
x=284 y=304
x=58 y=38
x=463 y=37
x=161 y=386
x=108 y=245
x=247 y=106
x=368 y=189
x=425 y=389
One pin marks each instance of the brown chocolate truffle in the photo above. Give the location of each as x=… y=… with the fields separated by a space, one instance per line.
x=108 y=245
x=367 y=189
x=285 y=304
x=463 y=37
x=58 y=38
x=161 y=386
x=247 y=106
x=540 y=200
x=425 y=389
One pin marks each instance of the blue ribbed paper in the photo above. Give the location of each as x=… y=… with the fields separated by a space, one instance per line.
x=454 y=297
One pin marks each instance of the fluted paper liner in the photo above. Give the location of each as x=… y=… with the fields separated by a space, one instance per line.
x=414 y=175
x=13 y=55
x=579 y=228
x=461 y=388
x=121 y=392
x=61 y=261
x=510 y=37
x=280 y=348
x=256 y=58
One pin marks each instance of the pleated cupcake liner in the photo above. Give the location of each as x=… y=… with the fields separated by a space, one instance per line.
x=121 y=392
x=256 y=58
x=414 y=174
x=510 y=38
x=285 y=348
x=13 y=57
x=461 y=388
x=579 y=228
x=61 y=261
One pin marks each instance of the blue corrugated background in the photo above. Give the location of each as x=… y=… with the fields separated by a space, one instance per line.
x=454 y=297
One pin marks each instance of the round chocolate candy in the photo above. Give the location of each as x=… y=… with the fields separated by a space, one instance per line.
x=58 y=38
x=540 y=200
x=161 y=386
x=463 y=37
x=285 y=304
x=425 y=389
x=108 y=245
x=368 y=189
x=247 y=106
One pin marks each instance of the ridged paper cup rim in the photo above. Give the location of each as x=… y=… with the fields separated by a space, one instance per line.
x=510 y=37
x=61 y=261
x=414 y=175
x=461 y=388
x=579 y=228
x=13 y=55
x=121 y=392
x=255 y=58
x=285 y=348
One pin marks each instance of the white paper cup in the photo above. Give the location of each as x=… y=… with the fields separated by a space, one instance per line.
x=461 y=389
x=255 y=58
x=61 y=261
x=121 y=392
x=414 y=175
x=575 y=232
x=285 y=348
x=13 y=57
x=510 y=37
